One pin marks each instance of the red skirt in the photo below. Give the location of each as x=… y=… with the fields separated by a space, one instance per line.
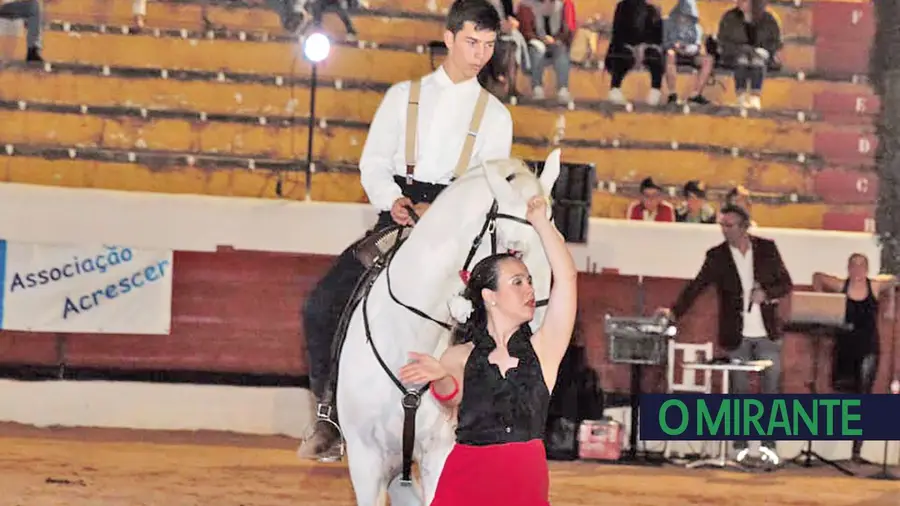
x=510 y=473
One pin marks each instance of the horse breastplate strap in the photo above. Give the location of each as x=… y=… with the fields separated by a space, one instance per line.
x=412 y=125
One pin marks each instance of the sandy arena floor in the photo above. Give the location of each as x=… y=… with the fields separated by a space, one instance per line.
x=86 y=467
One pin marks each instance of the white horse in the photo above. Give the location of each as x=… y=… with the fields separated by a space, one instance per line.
x=423 y=275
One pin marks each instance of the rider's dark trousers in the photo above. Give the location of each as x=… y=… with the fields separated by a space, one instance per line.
x=323 y=307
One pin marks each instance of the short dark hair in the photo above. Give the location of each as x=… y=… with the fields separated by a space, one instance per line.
x=478 y=12
x=738 y=210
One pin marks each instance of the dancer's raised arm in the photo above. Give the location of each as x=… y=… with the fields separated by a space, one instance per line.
x=552 y=339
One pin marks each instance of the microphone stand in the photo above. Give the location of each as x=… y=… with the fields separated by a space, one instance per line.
x=884 y=474
x=807 y=454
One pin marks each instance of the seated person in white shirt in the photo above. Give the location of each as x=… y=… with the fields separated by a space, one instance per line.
x=450 y=101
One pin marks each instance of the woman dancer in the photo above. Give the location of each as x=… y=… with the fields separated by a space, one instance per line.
x=855 y=356
x=500 y=375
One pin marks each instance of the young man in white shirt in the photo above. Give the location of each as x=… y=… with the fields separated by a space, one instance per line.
x=750 y=278
x=458 y=125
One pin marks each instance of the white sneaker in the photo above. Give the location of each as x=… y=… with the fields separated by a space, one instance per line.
x=754 y=102
x=564 y=96
x=743 y=101
x=653 y=97
x=742 y=455
x=769 y=456
x=615 y=96
x=538 y=93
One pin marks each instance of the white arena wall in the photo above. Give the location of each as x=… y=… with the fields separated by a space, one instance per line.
x=49 y=215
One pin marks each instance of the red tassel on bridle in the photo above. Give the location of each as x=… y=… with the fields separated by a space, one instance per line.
x=464 y=276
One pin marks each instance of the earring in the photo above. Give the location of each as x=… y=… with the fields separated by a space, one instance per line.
x=493 y=303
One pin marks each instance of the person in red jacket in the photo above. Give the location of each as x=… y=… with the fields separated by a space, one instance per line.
x=651 y=206
x=548 y=26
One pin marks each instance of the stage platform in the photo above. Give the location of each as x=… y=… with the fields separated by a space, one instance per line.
x=112 y=467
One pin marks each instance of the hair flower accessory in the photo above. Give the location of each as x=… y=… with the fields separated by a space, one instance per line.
x=460 y=308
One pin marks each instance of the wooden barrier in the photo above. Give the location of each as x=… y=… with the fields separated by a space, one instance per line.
x=178 y=135
x=326 y=187
x=334 y=144
x=381 y=65
x=766 y=134
x=795 y=22
x=175 y=179
x=787 y=215
x=240 y=312
x=615 y=165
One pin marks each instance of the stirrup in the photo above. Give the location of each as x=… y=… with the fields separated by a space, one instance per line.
x=323 y=415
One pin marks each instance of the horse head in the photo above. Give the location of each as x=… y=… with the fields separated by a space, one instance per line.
x=513 y=184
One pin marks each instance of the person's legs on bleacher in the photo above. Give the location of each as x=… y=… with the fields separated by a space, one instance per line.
x=30 y=12
x=561 y=66
x=618 y=63
x=655 y=62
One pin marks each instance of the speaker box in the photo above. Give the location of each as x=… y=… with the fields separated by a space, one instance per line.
x=572 y=195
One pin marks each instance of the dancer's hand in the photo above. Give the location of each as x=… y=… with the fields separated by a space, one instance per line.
x=537 y=210
x=423 y=369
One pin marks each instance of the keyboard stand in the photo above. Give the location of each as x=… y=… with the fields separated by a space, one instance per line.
x=722 y=461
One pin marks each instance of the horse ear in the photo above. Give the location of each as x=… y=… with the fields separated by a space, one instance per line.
x=551 y=171
x=500 y=187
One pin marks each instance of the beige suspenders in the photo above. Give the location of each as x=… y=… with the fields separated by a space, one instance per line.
x=412 y=118
x=412 y=124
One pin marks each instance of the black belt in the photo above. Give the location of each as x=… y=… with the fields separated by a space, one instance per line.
x=419 y=191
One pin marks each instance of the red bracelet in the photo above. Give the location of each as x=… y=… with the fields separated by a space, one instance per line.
x=445 y=398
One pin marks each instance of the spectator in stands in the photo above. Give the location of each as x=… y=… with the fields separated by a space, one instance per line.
x=740 y=196
x=510 y=54
x=139 y=11
x=651 y=206
x=695 y=208
x=637 y=36
x=30 y=12
x=683 y=44
x=548 y=26
x=318 y=7
x=749 y=41
x=585 y=42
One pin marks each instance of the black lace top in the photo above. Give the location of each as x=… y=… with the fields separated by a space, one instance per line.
x=497 y=410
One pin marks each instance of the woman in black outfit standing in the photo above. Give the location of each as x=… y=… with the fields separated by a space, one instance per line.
x=856 y=351
x=500 y=375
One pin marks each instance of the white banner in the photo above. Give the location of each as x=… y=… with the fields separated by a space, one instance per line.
x=103 y=289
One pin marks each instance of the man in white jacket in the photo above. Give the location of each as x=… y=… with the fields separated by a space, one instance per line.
x=456 y=125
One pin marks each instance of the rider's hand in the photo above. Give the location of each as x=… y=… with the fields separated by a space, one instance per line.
x=537 y=210
x=399 y=213
x=422 y=369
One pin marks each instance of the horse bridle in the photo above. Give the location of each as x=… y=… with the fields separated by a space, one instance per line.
x=412 y=398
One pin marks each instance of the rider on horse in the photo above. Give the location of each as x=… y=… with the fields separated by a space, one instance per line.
x=454 y=124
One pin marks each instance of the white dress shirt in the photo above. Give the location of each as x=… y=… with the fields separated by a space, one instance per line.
x=753 y=322
x=445 y=111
